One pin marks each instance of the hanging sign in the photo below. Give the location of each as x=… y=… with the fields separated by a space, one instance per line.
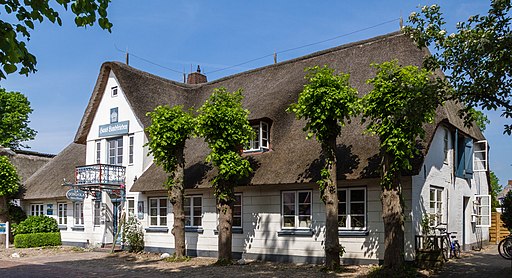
x=118 y=128
x=75 y=195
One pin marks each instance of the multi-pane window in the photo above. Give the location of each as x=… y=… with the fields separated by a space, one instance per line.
x=436 y=206
x=480 y=159
x=130 y=149
x=352 y=208
x=97 y=213
x=115 y=151
x=62 y=211
x=98 y=152
x=158 y=211
x=446 y=147
x=114 y=91
x=237 y=211
x=296 y=209
x=131 y=206
x=260 y=140
x=482 y=207
x=36 y=209
x=78 y=213
x=193 y=211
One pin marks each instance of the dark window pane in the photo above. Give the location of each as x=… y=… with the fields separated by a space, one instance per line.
x=304 y=221
x=357 y=208
x=304 y=197
x=289 y=221
x=342 y=196
x=356 y=195
x=187 y=201
x=237 y=221
x=153 y=221
x=163 y=203
x=197 y=221
x=342 y=220
x=289 y=209
x=304 y=209
x=342 y=208
x=237 y=210
x=289 y=198
x=357 y=221
x=163 y=221
x=197 y=201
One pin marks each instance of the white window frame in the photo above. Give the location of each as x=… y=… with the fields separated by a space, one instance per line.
x=96 y=220
x=435 y=213
x=113 y=144
x=262 y=138
x=131 y=141
x=130 y=206
x=482 y=208
x=36 y=209
x=190 y=214
x=62 y=213
x=297 y=216
x=114 y=91
x=446 y=146
x=349 y=214
x=240 y=205
x=483 y=147
x=78 y=213
x=98 y=151
x=159 y=209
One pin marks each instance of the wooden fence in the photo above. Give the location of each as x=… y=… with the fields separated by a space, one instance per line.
x=497 y=231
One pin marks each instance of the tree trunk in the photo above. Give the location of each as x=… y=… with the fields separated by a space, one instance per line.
x=3 y=217
x=225 y=209
x=330 y=197
x=393 y=218
x=176 y=196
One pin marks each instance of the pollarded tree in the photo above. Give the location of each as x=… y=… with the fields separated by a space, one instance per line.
x=402 y=100
x=9 y=185
x=169 y=130
x=21 y=19
x=326 y=103
x=14 y=111
x=224 y=124
x=476 y=58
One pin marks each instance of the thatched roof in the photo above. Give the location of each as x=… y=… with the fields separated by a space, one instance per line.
x=268 y=92
x=26 y=162
x=47 y=181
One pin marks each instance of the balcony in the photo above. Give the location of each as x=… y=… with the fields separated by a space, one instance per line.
x=100 y=175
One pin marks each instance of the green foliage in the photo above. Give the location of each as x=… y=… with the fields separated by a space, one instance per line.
x=406 y=271
x=9 y=180
x=177 y=259
x=479 y=118
x=37 y=240
x=495 y=190
x=36 y=224
x=14 y=111
x=326 y=103
x=224 y=124
x=24 y=15
x=16 y=214
x=168 y=132
x=133 y=235
x=401 y=101
x=506 y=216
x=476 y=58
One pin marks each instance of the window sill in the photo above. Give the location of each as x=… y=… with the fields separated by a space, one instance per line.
x=349 y=233
x=234 y=230
x=295 y=232
x=63 y=227
x=262 y=150
x=78 y=228
x=157 y=230
x=198 y=230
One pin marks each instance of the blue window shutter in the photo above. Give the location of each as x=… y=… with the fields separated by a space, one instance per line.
x=459 y=157
x=468 y=156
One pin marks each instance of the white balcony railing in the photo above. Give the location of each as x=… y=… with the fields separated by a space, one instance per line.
x=100 y=174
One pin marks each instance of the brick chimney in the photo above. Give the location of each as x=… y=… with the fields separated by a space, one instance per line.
x=196 y=77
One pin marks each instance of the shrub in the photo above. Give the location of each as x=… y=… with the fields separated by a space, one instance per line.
x=37 y=240
x=16 y=214
x=36 y=224
x=133 y=236
x=506 y=216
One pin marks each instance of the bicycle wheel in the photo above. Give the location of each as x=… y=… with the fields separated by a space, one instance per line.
x=505 y=248
x=456 y=250
x=445 y=248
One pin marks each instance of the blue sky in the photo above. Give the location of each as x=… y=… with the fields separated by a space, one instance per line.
x=180 y=34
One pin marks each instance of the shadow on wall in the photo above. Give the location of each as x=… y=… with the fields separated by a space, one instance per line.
x=108 y=217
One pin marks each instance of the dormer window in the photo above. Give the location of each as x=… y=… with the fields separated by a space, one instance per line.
x=260 y=141
x=114 y=91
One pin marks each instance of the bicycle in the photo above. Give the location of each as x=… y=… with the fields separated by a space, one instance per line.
x=505 y=247
x=449 y=244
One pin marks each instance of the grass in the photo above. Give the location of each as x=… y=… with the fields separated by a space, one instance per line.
x=406 y=271
x=176 y=259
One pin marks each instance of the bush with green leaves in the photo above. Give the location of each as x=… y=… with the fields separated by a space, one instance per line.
x=16 y=214
x=37 y=240
x=36 y=224
x=506 y=216
x=133 y=236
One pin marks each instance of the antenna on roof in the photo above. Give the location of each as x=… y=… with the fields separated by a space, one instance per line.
x=127 y=57
x=275 y=57
x=401 y=20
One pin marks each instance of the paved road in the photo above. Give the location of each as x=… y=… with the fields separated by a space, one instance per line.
x=484 y=263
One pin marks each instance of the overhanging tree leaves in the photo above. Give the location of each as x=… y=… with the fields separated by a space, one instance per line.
x=20 y=17
x=224 y=124
x=326 y=103
x=169 y=130
x=14 y=112
x=476 y=58
x=401 y=101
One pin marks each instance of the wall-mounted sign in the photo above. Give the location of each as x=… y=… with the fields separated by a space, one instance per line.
x=75 y=195
x=114 y=115
x=140 y=210
x=49 y=209
x=118 y=128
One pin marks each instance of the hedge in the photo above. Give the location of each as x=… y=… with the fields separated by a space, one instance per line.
x=37 y=240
